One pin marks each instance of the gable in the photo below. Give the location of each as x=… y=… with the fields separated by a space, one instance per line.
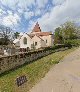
x=37 y=38
x=25 y=35
x=36 y=28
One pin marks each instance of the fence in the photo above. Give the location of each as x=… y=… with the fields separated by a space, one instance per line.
x=10 y=62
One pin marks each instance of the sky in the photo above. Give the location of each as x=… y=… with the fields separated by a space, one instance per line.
x=22 y=15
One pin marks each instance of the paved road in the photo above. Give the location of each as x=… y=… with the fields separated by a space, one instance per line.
x=64 y=77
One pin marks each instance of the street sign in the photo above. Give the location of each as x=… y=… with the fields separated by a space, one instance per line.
x=21 y=80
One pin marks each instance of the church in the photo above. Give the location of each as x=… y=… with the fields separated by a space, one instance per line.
x=35 y=40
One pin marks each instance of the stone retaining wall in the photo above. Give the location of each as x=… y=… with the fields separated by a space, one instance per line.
x=10 y=62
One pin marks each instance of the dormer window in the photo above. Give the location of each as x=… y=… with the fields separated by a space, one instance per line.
x=25 y=40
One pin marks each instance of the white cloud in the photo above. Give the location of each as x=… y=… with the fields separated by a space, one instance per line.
x=63 y=11
x=37 y=12
x=68 y=10
x=13 y=4
x=25 y=4
x=28 y=15
x=11 y=20
x=56 y=2
x=2 y=12
x=10 y=3
x=9 y=12
x=20 y=11
x=22 y=6
x=41 y=3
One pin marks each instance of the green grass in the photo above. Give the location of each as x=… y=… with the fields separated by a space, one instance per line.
x=34 y=72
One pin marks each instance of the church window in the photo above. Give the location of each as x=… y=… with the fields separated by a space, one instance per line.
x=25 y=40
x=35 y=43
x=46 y=41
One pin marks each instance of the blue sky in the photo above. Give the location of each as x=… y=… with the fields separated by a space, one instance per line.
x=22 y=15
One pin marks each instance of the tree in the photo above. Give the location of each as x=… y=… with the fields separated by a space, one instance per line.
x=16 y=35
x=77 y=31
x=68 y=30
x=58 y=36
x=65 y=32
x=5 y=35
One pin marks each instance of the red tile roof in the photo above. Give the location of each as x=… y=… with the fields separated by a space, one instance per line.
x=44 y=34
x=41 y=34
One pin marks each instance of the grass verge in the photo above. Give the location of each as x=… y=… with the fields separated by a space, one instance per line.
x=34 y=72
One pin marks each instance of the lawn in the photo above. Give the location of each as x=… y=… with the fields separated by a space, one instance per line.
x=34 y=72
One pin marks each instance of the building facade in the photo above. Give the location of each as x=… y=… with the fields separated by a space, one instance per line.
x=35 y=40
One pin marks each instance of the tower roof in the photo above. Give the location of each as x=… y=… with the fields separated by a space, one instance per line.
x=36 y=28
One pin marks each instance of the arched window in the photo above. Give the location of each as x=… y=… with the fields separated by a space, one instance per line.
x=25 y=40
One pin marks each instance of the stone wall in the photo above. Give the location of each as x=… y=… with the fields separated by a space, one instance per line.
x=10 y=62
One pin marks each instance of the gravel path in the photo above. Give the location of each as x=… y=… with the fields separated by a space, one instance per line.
x=64 y=77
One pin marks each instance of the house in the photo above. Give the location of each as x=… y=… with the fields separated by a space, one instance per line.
x=35 y=40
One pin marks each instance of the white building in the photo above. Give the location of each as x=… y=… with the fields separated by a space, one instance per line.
x=36 y=39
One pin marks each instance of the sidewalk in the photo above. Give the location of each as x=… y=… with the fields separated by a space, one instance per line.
x=64 y=77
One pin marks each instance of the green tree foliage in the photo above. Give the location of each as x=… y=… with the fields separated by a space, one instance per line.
x=16 y=35
x=58 y=36
x=68 y=30
x=65 y=32
x=78 y=32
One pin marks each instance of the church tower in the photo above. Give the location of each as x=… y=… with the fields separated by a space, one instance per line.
x=36 y=29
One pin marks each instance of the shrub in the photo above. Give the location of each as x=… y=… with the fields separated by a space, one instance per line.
x=57 y=46
x=68 y=44
x=75 y=42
